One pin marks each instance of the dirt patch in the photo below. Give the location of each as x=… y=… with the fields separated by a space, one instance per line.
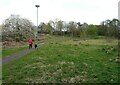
x=12 y=44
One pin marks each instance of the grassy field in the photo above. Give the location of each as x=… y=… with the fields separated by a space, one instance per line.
x=64 y=59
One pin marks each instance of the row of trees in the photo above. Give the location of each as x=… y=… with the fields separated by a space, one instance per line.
x=58 y=27
x=21 y=29
x=109 y=28
x=74 y=29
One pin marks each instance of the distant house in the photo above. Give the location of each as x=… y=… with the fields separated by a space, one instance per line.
x=84 y=25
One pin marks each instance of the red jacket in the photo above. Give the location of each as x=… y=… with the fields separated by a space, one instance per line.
x=30 y=41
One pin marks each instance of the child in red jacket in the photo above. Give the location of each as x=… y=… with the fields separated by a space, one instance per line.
x=30 y=43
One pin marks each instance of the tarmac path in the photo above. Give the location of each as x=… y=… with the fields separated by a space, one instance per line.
x=17 y=55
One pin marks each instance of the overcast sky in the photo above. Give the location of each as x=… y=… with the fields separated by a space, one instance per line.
x=89 y=11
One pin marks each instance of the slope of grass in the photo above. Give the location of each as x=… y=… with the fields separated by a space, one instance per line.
x=64 y=59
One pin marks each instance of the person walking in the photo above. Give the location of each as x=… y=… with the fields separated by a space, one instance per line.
x=30 y=43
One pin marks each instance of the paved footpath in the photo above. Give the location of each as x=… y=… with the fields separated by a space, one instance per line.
x=17 y=55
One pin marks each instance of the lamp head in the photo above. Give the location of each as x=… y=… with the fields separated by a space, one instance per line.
x=37 y=6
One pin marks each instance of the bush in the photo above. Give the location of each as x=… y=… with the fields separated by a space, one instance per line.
x=91 y=31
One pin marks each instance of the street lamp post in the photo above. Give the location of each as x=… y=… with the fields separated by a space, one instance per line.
x=119 y=30
x=119 y=41
x=37 y=17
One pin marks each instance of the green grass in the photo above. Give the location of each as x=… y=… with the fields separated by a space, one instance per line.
x=64 y=59
x=9 y=51
x=0 y=67
x=1 y=77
